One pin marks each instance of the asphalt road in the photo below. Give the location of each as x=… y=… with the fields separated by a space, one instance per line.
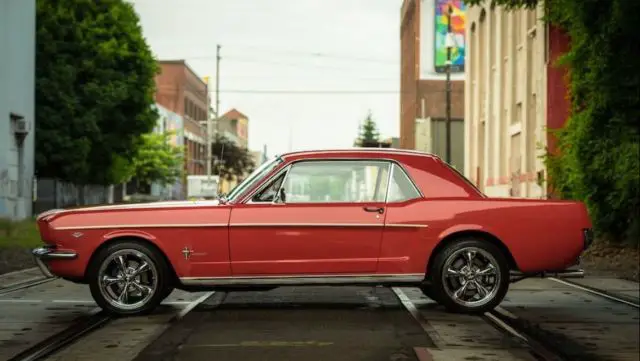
x=307 y=323
x=328 y=323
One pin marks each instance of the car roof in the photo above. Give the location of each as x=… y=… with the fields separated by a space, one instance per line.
x=380 y=152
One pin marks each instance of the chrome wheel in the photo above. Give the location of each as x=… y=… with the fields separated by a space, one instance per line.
x=127 y=279
x=470 y=277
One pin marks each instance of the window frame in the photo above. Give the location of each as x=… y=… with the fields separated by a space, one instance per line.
x=287 y=168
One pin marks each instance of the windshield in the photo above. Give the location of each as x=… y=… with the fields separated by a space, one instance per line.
x=254 y=177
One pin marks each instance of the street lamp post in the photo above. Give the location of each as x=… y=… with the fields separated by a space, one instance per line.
x=449 y=43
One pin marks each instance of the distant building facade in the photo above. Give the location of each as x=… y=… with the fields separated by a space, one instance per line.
x=233 y=125
x=182 y=91
x=422 y=77
x=17 y=103
x=169 y=121
x=513 y=92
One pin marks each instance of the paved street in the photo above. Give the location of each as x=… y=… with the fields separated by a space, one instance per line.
x=327 y=323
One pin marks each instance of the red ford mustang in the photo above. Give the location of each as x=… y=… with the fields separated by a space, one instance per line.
x=351 y=217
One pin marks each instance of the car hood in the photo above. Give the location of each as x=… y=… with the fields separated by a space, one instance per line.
x=147 y=205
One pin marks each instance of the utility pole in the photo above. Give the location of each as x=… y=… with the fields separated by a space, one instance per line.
x=211 y=119
x=449 y=44
x=217 y=85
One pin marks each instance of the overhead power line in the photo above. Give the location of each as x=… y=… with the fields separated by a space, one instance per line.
x=314 y=55
x=317 y=91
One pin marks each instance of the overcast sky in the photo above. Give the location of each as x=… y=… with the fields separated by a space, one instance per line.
x=349 y=46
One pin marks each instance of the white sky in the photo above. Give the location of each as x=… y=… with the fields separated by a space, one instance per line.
x=272 y=45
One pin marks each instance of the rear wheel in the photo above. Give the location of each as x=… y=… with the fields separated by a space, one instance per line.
x=469 y=276
x=129 y=278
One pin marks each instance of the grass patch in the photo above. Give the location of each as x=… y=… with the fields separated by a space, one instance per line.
x=20 y=234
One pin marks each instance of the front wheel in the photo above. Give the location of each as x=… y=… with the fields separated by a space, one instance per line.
x=470 y=276
x=128 y=278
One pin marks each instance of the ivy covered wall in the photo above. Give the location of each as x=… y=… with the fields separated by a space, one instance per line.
x=597 y=159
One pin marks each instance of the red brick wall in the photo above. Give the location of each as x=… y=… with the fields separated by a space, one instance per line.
x=557 y=101
x=409 y=60
x=412 y=89
x=175 y=84
x=434 y=94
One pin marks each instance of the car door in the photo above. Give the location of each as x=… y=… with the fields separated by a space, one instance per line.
x=409 y=235
x=316 y=217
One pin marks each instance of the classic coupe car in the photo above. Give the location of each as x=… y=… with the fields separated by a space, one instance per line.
x=335 y=217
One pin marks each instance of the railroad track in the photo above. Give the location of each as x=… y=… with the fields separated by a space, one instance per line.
x=547 y=346
x=602 y=293
x=542 y=345
x=82 y=327
x=28 y=283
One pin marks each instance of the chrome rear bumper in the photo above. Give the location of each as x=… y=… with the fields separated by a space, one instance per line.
x=570 y=273
x=42 y=254
x=516 y=276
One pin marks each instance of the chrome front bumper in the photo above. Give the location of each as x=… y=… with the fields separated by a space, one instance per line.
x=42 y=254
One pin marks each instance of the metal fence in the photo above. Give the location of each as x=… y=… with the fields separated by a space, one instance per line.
x=53 y=193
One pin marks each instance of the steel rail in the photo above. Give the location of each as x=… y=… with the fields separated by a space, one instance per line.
x=597 y=292
x=20 y=285
x=81 y=327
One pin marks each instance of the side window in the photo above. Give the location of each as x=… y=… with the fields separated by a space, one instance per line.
x=401 y=188
x=337 y=181
x=269 y=193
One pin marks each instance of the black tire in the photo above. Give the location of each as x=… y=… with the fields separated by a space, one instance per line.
x=443 y=290
x=167 y=292
x=427 y=290
x=148 y=254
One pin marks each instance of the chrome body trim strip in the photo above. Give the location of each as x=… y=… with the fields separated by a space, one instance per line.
x=125 y=226
x=218 y=225
x=362 y=150
x=42 y=254
x=392 y=166
x=336 y=225
x=304 y=279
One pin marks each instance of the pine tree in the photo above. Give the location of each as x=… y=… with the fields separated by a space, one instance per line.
x=369 y=136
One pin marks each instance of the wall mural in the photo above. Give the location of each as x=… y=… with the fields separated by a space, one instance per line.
x=458 y=19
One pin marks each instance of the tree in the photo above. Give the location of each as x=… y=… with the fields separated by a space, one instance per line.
x=157 y=160
x=597 y=159
x=369 y=135
x=233 y=161
x=94 y=89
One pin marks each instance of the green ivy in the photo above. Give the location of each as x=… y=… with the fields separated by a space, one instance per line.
x=598 y=155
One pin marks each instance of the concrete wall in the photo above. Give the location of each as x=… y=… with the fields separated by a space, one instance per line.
x=17 y=98
x=509 y=100
x=431 y=136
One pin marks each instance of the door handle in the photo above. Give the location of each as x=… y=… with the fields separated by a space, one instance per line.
x=374 y=209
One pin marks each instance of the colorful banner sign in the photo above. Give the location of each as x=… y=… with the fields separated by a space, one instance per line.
x=458 y=18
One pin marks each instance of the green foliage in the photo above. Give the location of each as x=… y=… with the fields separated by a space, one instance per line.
x=157 y=160
x=94 y=89
x=369 y=135
x=598 y=155
x=233 y=161
x=507 y=4
x=19 y=234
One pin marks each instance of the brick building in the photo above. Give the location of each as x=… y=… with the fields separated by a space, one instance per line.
x=513 y=92
x=182 y=91
x=422 y=83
